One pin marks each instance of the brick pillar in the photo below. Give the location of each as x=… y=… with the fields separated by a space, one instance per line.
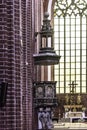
x=27 y=63
x=13 y=108
x=10 y=114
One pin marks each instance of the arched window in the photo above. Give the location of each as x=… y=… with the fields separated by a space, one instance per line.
x=70 y=42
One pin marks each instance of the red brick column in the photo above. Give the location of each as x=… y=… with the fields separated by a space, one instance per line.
x=27 y=70
x=16 y=63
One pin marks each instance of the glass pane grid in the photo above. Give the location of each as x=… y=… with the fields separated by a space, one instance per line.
x=70 y=42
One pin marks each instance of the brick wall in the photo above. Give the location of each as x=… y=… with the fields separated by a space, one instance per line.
x=10 y=114
x=27 y=63
x=16 y=63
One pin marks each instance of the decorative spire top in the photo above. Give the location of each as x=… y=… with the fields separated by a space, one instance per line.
x=46 y=24
x=46 y=15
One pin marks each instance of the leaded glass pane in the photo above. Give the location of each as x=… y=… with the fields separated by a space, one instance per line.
x=70 y=39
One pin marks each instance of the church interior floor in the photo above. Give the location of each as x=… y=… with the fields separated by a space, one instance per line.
x=70 y=126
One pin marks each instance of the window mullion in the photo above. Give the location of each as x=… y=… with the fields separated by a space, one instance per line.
x=64 y=54
x=86 y=55
x=59 y=50
x=70 y=50
x=75 y=49
x=81 y=54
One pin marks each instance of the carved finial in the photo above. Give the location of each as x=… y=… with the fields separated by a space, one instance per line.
x=46 y=15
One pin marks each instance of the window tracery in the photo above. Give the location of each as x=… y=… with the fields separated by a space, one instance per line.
x=69 y=7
